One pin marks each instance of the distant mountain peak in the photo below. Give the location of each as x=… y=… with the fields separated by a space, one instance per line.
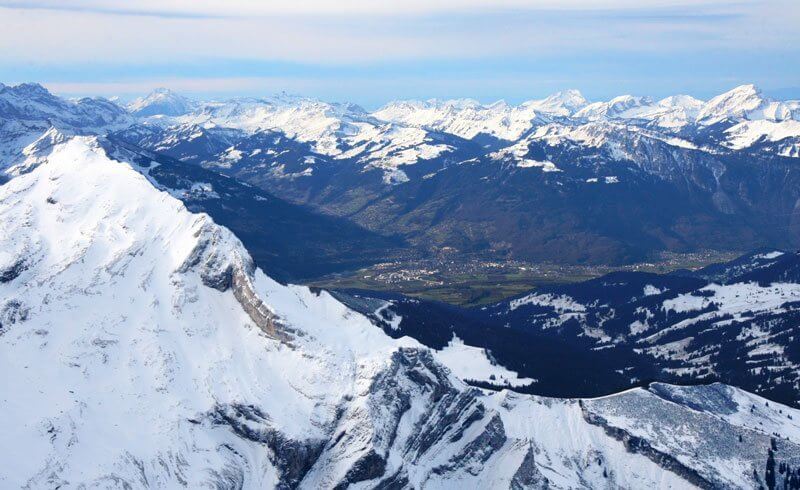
x=747 y=88
x=614 y=107
x=563 y=103
x=745 y=102
x=161 y=101
x=571 y=95
x=681 y=100
x=161 y=90
x=31 y=88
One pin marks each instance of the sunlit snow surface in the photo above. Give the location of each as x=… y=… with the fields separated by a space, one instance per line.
x=129 y=349
x=473 y=363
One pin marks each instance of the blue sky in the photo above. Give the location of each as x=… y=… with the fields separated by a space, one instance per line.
x=372 y=52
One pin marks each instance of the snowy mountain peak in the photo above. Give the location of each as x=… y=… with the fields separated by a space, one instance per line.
x=624 y=102
x=30 y=89
x=746 y=89
x=616 y=107
x=683 y=101
x=570 y=98
x=733 y=102
x=564 y=103
x=33 y=95
x=498 y=105
x=745 y=102
x=28 y=111
x=161 y=102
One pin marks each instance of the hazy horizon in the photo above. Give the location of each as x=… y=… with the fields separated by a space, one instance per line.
x=371 y=53
x=208 y=96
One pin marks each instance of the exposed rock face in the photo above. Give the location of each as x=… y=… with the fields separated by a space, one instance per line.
x=710 y=411
x=638 y=445
x=258 y=311
x=413 y=428
x=291 y=458
x=10 y=273
x=528 y=475
x=13 y=311
x=223 y=271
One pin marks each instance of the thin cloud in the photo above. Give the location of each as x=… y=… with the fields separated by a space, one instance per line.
x=249 y=8
x=313 y=43
x=59 y=36
x=110 y=9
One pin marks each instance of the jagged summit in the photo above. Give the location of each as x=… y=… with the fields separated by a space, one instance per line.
x=28 y=88
x=28 y=111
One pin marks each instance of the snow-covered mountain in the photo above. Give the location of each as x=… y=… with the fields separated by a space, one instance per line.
x=468 y=118
x=332 y=131
x=616 y=107
x=464 y=118
x=743 y=102
x=345 y=130
x=32 y=103
x=140 y=347
x=162 y=102
x=565 y=103
x=28 y=111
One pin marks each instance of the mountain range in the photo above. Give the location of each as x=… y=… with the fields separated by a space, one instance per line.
x=141 y=347
x=557 y=179
x=553 y=179
x=146 y=343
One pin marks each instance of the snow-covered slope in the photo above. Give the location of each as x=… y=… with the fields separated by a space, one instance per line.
x=781 y=137
x=468 y=118
x=670 y=113
x=616 y=107
x=303 y=119
x=140 y=347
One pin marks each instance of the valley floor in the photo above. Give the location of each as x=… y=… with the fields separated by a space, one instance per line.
x=474 y=281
